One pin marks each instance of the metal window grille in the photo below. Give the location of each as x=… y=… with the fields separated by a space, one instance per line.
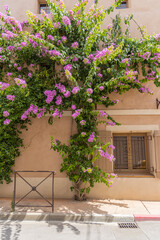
x=45 y=7
x=138 y=152
x=121 y=152
x=122 y=5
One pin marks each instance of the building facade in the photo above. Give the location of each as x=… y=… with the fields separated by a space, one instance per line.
x=137 y=139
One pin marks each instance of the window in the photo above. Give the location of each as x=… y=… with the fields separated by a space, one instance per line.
x=130 y=152
x=124 y=4
x=45 y=8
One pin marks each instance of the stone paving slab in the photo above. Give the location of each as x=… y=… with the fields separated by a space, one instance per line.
x=86 y=207
x=90 y=210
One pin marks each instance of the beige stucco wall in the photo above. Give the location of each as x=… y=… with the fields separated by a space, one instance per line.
x=37 y=154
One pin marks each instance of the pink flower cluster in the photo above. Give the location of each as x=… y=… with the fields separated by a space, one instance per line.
x=145 y=55
x=64 y=38
x=100 y=75
x=12 y=21
x=54 y=53
x=145 y=90
x=75 y=90
x=111 y=146
x=68 y=67
x=50 y=95
x=83 y=134
x=89 y=90
x=57 y=113
x=35 y=110
x=7 y=121
x=101 y=55
x=90 y=100
x=10 y=97
x=75 y=45
x=158 y=37
x=103 y=114
x=5 y=113
x=101 y=88
x=20 y=82
x=89 y=170
x=76 y=113
x=3 y=85
x=110 y=157
x=82 y=122
x=57 y=25
x=58 y=100
x=50 y=37
x=86 y=61
x=66 y=21
x=91 y=137
x=8 y=35
x=73 y=107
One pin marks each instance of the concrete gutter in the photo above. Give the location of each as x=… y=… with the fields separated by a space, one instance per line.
x=23 y=216
x=62 y=217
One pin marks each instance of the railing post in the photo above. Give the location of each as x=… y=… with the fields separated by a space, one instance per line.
x=14 y=193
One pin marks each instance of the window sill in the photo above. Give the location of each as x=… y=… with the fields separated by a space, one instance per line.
x=134 y=175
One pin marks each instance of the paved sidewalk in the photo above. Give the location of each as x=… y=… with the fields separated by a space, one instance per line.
x=67 y=206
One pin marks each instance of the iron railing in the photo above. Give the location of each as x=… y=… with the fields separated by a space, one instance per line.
x=33 y=189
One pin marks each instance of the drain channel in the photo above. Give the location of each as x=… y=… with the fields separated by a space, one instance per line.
x=128 y=225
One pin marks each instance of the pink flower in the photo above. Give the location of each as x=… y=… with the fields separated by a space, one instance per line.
x=83 y=134
x=10 y=97
x=23 y=44
x=82 y=122
x=9 y=74
x=101 y=88
x=67 y=94
x=5 y=113
x=100 y=75
x=7 y=121
x=29 y=74
x=91 y=137
x=59 y=42
x=3 y=85
x=73 y=107
x=50 y=37
x=19 y=68
x=90 y=100
x=20 y=82
x=58 y=100
x=89 y=90
x=76 y=114
x=75 y=90
x=66 y=21
x=64 y=38
x=75 y=59
x=75 y=45
x=86 y=61
x=111 y=146
x=68 y=67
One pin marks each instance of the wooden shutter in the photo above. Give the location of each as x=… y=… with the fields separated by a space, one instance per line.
x=103 y=163
x=151 y=153
x=157 y=153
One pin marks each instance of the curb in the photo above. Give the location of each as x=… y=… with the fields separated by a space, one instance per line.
x=22 y=216
x=139 y=218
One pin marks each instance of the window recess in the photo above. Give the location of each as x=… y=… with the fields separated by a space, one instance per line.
x=45 y=8
x=123 y=5
x=131 y=153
